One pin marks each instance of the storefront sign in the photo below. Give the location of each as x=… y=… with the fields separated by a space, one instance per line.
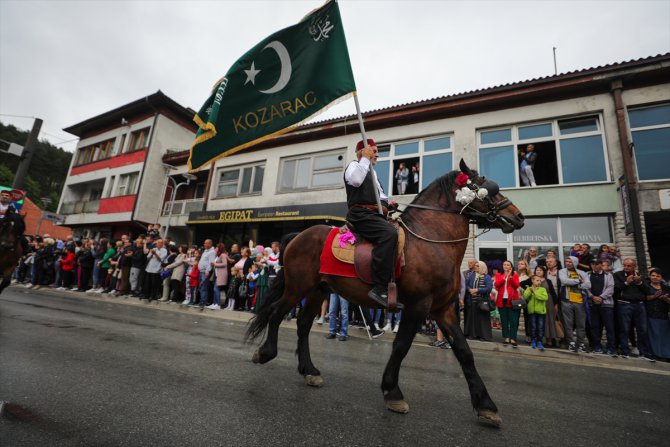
x=331 y=211
x=664 y=195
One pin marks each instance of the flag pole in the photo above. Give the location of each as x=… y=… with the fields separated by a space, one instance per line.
x=365 y=140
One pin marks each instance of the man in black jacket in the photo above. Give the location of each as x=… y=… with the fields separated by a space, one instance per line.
x=630 y=293
x=367 y=221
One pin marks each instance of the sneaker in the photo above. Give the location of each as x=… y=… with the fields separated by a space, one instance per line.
x=533 y=344
x=612 y=353
x=75 y=289
x=445 y=345
x=377 y=327
x=395 y=329
x=387 y=328
x=320 y=320
x=377 y=334
x=598 y=351
x=30 y=286
x=185 y=302
x=634 y=352
x=37 y=287
x=624 y=356
x=331 y=336
x=647 y=358
x=572 y=347
x=540 y=346
x=342 y=338
x=214 y=307
x=582 y=348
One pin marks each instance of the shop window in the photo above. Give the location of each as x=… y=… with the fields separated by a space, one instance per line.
x=572 y=153
x=240 y=181
x=650 y=129
x=425 y=160
x=316 y=171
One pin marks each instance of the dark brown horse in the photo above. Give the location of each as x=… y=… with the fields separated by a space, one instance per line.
x=12 y=227
x=437 y=229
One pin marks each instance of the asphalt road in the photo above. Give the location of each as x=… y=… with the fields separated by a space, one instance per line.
x=81 y=371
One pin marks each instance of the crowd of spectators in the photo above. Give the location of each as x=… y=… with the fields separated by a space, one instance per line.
x=596 y=302
x=152 y=268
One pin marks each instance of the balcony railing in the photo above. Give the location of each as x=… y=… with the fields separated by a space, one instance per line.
x=82 y=206
x=183 y=206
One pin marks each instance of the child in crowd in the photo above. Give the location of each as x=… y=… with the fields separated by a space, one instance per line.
x=536 y=296
x=233 y=287
x=251 y=284
x=193 y=276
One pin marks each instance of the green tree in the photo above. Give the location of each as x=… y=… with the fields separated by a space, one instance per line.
x=48 y=167
x=6 y=176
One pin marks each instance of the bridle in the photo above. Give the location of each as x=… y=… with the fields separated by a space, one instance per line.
x=491 y=215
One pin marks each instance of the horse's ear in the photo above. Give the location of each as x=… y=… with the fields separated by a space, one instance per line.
x=464 y=168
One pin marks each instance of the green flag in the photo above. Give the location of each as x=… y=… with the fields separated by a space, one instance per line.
x=286 y=79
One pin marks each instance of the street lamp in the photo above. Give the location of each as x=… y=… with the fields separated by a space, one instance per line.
x=175 y=187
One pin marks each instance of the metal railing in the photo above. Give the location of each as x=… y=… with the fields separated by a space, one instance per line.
x=181 y=207
x=79 y=207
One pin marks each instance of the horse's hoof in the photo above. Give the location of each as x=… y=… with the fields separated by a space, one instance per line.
x=397 y=406
x=315 y=381
x=490 y=417
x=256 y=358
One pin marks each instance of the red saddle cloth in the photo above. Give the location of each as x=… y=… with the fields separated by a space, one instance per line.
x=330 y=265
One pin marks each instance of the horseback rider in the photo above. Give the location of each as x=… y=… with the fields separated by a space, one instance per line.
x=8 y=211
x=367 y=221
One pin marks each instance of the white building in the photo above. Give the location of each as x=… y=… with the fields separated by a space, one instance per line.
x=117 y=180
x=581 y=123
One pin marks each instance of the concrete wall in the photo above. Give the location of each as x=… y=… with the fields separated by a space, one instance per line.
x=166 y=135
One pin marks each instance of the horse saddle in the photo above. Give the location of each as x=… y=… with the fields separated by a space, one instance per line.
x=360 y=253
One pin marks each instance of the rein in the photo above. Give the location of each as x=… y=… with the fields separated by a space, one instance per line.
x=401 y=222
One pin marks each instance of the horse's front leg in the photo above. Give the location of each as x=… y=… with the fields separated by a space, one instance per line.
x=393 y=397
x=481 y=401
x=5 y=282
x=305 y=320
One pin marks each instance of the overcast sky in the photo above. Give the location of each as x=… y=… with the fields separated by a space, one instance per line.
x=67 y=61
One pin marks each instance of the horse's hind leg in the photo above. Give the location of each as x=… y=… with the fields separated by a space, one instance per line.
x=305 y=320
x=481 y=401
x=393 y=397
x=268 y=349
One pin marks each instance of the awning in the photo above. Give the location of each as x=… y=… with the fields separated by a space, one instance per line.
x=321 y=211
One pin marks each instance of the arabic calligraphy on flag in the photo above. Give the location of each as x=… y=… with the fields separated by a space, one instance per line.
x=286 y=79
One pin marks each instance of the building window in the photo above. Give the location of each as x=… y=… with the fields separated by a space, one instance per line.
x=569 y=151
x=650 y=129
x=95 y=152
x=316 y=171
x=138 y=140
x=425 y=160
x=240 y=181
x=127 y=184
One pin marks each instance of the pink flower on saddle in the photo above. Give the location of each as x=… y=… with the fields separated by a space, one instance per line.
x=347 y=238
x=462 y=179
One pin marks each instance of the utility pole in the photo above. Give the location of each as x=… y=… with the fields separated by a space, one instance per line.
x=28 y=151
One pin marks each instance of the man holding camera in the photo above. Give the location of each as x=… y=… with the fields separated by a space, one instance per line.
x=630 y=294
x=528 y=159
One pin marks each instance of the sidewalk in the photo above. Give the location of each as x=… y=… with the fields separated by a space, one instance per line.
x=495 y=347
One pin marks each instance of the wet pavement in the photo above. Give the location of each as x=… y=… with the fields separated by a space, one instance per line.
x=83 y=370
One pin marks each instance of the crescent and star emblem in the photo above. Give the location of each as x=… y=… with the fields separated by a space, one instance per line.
x=284 y=74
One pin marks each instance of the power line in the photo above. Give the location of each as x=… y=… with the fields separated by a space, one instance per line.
x=17 y=116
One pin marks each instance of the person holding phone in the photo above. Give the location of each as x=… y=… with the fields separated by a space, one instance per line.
x=630 y=294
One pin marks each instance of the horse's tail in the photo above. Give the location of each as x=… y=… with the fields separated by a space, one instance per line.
x=260 y=321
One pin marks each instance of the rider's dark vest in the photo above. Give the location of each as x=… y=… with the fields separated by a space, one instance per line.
x=364 y=194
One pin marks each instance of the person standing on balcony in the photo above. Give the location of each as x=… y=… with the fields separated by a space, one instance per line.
x=527 y=159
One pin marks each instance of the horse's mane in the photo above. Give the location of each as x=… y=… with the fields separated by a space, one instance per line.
x=444 y=185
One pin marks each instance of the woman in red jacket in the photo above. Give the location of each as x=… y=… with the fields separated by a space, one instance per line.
x=507 y=285
x=67 y=268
